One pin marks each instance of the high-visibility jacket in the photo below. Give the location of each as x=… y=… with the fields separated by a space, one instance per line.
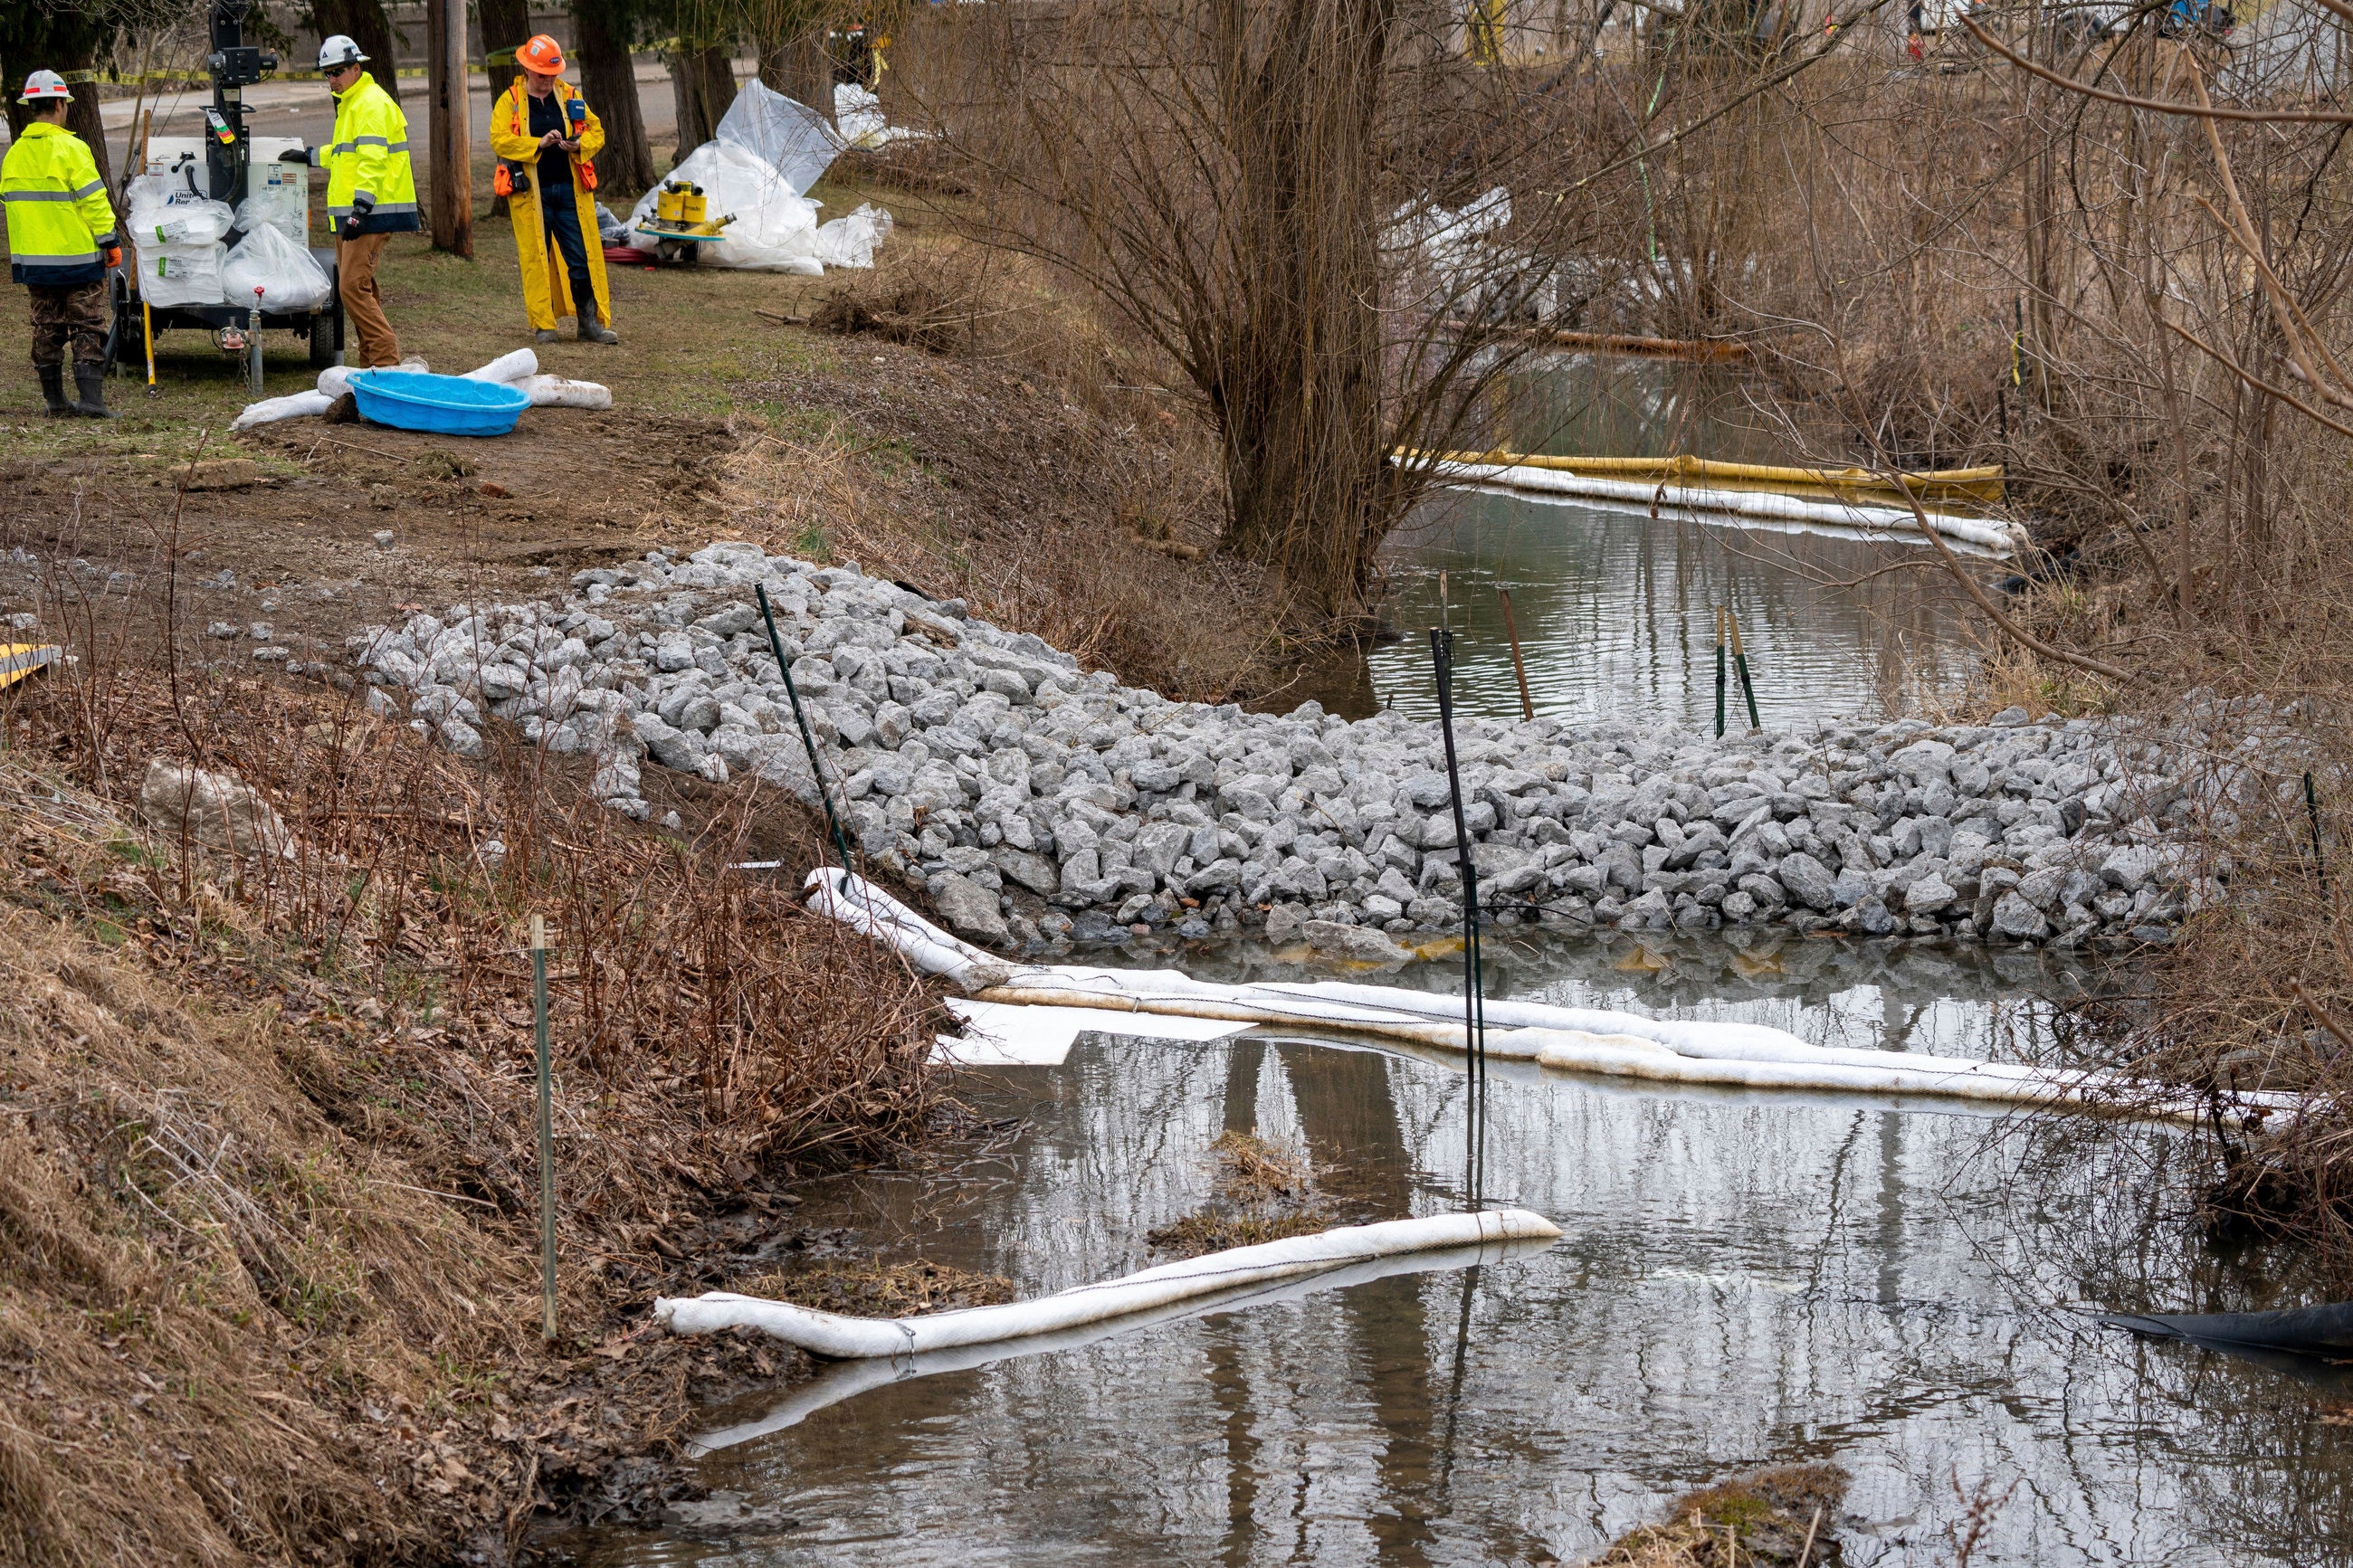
x=546 y=284
x=60 y=224
x=367 y=157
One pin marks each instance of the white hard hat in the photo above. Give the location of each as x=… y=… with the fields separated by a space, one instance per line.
x=42 y=85
x=338 y=52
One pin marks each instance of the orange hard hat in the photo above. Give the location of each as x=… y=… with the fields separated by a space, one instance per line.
x=543 y=54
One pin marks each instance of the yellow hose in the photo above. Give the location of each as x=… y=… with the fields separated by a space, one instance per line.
x=1980 y=485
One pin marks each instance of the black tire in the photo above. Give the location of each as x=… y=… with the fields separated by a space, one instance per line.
x=122 y=339
x=322 y=341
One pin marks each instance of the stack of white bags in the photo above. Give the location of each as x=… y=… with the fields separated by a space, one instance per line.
x=179 y=238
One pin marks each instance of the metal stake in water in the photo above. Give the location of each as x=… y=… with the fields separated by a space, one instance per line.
x=546 y=1130
x=1474 y=1001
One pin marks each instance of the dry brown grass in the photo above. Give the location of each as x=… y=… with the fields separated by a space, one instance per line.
x=269 y=1285
x=1263 y=1193
x=1784 y=1516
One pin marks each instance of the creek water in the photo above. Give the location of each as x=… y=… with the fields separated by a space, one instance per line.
x=1617 y=610
x=1904 y=1288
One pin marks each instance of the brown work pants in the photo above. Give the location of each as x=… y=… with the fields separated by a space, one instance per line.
x=64 y=312
x=356 y=262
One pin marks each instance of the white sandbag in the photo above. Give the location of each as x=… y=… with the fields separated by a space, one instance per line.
x=335 y=380
x=555 y=392
x=840 y=1337
x=293 y=405
x=183 y=274
x=268 y=266
x=189 y=220
x=783 y=135
x=772 y=228
x=508 y=368
x=851 y=241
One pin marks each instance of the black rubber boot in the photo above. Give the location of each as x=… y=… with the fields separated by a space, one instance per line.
x=53 y=390
x=89 y=382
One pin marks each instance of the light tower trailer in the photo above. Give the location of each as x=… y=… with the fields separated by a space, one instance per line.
x=228 y=164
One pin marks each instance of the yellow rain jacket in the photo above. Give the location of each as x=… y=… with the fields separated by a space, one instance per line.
x=546 y=287
x=59 y=222
x=367 y=162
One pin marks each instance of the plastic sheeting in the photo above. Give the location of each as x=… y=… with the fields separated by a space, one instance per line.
x=847 y=1380
x=1572 y=1039
x=773 y=226
x=784 y=134
x=283 y=273
x=851 y=241
x=839 y=1338
x=999 y=1035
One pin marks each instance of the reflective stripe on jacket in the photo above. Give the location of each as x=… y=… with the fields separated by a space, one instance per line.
x=59 y=222
x=366 y=160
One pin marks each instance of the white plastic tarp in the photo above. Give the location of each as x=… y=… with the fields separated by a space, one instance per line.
x=280 y=273
x=784 y=134
x=851 y=241
x=995 y=1034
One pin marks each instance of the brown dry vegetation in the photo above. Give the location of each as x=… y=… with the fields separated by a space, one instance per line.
x=1262 y=1193
x=269 y=1282
x=1783 y=1517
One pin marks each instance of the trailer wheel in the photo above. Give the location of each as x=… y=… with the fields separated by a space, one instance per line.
x=322 y=341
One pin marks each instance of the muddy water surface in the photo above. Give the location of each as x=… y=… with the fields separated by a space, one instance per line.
x=1902 y=1288
x=1617 y=610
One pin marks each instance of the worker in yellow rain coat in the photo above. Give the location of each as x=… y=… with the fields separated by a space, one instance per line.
x=544 y=136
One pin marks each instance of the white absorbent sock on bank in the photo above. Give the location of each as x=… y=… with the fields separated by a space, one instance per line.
x=838 y=1338
x=556 y=391
x=996 y=1035
x=1975 y=535
x=293 y=405
x=1574 y=1039
x=508 y=368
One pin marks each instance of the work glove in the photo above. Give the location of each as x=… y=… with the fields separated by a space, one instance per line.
x=351 y=230
x=294 y=156
x=114 y=256
x=361 y=207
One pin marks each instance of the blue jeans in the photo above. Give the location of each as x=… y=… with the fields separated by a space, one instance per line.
x=563 y=220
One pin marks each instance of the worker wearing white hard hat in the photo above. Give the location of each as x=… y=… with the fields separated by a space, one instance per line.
x=370 y=190
x=61 y=240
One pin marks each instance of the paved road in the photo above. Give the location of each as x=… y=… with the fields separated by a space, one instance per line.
x=305 y=109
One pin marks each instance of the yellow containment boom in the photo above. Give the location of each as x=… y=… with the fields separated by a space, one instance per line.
x=1944 y=486
x=19 y=660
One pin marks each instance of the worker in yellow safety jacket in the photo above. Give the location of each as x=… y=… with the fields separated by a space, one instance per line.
x=371 y=192
x=552 y=200
x=61 y=240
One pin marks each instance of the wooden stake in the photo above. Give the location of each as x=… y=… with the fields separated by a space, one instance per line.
x=451 y=134
x=1519 y=665
x=546 y=1129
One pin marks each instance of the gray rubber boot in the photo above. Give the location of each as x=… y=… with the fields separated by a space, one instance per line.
x=90 y=381
x=547 y=335
x=595 y=331
x=53 y=390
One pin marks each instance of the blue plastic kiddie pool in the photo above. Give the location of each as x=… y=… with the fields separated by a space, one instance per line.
x=445 y=404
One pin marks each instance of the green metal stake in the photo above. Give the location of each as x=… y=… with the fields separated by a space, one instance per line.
x=1719 y=672
x=1740 y=660
x=808 y=741
x=546 y=1131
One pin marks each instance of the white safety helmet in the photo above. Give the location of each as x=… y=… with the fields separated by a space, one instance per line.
x=338 y=52
x=45 y=87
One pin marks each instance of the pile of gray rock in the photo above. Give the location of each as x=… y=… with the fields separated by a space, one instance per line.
x=1037 y=801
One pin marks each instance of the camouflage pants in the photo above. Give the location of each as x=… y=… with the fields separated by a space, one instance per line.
x=62 y=310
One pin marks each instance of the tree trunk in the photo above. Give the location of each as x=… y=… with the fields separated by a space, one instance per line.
x=704 y=80
x=1298 y=394
x=797 y=66
x=610 y=78
x=364 y=23
x=505 y=23
x=451 y=140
